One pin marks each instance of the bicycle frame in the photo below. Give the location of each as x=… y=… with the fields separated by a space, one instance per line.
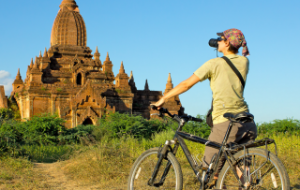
x=178 y=141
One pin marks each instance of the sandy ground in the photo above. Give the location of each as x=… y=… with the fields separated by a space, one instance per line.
x=55 y=179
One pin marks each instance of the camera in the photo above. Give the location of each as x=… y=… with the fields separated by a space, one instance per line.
x=214 y=42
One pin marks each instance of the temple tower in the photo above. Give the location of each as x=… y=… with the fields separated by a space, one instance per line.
x=122 y=77
x=18 y=82
x=69 y=27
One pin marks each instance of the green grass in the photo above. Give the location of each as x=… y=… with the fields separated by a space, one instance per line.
x=48 y=154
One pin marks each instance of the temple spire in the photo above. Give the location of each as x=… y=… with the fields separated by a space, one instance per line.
x=35 y=66
x=107 y=57
x=169 y=78
x=132 y=83
x=45 y=53
x=97 y=54
x=122 y=70
x=18 y=77
x=70 y=4
x=31 y=63
x=131 y=76
x=40 y=54
x=169 y=85
x=146 y=86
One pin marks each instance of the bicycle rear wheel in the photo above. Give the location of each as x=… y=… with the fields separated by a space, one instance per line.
x=143 y=168
x=264 y=173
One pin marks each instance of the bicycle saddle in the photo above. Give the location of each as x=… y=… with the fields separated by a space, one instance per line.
x=243 y=117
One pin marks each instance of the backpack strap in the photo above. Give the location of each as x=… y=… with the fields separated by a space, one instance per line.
x=235 y=70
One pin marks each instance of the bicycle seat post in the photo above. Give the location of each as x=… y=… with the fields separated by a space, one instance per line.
x=227 y=133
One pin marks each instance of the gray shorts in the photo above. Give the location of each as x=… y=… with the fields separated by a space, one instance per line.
x=240 y=133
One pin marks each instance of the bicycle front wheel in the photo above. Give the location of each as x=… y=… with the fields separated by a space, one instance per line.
x=144 y=166
x=266 y=171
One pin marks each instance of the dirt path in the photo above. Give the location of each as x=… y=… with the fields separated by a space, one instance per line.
x=54 y=178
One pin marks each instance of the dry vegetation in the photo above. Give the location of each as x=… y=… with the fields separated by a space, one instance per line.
x=41 y=154
x=106 y=165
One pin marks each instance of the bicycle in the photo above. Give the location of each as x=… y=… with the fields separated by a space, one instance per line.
x=158 y=168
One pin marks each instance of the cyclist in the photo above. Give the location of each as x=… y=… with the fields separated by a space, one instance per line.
x=227 y=93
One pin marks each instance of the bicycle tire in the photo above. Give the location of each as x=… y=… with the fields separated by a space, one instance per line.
x=143 y=168
x=271 y=175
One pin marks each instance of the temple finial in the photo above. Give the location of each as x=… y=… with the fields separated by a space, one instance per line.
x=18 y=77
x=146 y=86
x=107 y=57
x=169 y=85
x=70 y=4
x=45 y=53
x=122 y=70
x=169 y=78
x=132 y=83
x=35 y=66
x=31 y=63
x=97 y=54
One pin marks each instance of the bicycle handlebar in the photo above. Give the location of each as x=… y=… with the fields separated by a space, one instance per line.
x=162 y=111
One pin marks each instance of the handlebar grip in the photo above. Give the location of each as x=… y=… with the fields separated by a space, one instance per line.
x=197 y=119
x=153 y=107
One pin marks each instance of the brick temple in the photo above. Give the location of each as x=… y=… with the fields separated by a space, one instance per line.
x=75 y=84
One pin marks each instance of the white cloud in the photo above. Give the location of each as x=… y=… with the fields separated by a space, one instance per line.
x=6 y=81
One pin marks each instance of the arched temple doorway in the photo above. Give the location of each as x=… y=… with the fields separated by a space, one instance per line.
x=79 y=79
x=88 y=121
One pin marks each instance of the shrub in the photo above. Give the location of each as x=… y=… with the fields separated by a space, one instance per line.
x=117 y=125
x=6 y=114
x=42 y=130
x=80 y=134
x=198 y=129
x=288 y=126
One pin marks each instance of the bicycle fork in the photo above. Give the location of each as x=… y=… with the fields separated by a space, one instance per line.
x=162 y=155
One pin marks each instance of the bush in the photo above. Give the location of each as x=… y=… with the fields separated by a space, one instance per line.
x=10 y=137
x=116 y=125
x=80 y=134
x=198 y=129
x=287 y=126
x=6 y=114
x=42 y=130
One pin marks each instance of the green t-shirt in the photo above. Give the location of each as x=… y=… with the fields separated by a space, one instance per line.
x=225 y=85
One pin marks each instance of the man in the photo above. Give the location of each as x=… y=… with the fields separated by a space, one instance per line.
x=227 y=92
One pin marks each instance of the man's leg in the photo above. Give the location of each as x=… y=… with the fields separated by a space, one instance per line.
x=240 y=133
x=216 y=135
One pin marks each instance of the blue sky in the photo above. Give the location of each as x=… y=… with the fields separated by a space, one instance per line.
x=157 y=37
